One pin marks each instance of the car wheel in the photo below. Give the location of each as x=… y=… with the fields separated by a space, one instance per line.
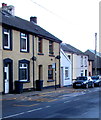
x=99 y=84
x=92 y=85
x=86 y=86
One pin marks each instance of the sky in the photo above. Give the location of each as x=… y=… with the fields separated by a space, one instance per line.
x=75 y=22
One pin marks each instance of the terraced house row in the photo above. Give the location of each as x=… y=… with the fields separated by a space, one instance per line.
x=27 y=53
x=30 y=55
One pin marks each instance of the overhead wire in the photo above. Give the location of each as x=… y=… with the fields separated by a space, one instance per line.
x=49 y=11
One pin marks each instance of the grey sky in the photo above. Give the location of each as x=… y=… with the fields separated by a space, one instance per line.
x=73 y=21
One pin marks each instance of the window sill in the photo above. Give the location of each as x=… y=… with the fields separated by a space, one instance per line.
x=50 y=80
x=24 y=81
x=67 y=78
x=40 y=54
x=24 y=51
x=52 y=55
x=7 y=49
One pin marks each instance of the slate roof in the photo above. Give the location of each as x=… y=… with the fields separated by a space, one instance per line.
x=21 y=24
x=68 y=48
x=91 y=55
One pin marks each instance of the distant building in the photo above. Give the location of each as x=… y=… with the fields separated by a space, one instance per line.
x=78 y=59
x=91 y=54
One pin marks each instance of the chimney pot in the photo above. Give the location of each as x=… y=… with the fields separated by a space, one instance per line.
x=33 y=19
x=3 y=4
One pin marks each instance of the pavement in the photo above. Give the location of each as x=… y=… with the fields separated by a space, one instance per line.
x=43 y=92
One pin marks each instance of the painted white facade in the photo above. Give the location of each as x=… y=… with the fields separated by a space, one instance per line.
x=79 y=64
x=66 y=69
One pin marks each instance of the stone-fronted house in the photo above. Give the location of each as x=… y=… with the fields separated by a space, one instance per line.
x=78 y=59
x=27 y=53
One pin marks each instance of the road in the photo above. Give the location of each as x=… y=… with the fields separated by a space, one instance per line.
x=74 y=105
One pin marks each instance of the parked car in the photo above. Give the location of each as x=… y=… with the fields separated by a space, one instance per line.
x=97 y=80
x=83 y=82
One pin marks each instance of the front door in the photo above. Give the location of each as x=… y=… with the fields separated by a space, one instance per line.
x=40 y=72
x=6 y=78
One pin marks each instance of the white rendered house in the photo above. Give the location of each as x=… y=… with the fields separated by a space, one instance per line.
x=79 y=60
x=66 y=75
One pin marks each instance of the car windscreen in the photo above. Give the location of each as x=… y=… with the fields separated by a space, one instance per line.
x=81 y=78
x=95 y=77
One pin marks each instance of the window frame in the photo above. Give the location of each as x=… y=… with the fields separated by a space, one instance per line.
x=51 y=50
x=8 y=32
x=86 y=61
x=40 y=43
x=26 y=37
x=81 y=61
x=21 y=66
x=50 y=69
x=66 y=75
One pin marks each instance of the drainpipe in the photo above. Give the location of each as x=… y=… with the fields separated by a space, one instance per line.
x=72 y=67
x=59 y=69
x=33 y=63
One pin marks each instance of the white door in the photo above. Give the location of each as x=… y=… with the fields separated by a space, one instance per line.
x=6 y=74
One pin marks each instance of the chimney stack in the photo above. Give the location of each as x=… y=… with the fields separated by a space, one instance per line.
x=3 y=4
x=33 y=19
x=10 y=9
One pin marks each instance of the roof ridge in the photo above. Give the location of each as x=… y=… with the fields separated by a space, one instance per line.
x=25 y=25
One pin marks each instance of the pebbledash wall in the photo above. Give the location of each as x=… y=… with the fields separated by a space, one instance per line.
x=15 y=55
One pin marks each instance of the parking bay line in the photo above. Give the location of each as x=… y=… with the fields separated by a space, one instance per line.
x=25 y=105
x=23 y=113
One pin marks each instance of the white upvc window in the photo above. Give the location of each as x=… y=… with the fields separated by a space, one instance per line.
x=24 y=40
x=81 y=72
x=86 y=61
x=23 y=71
x=6 y=42
x=66 y=72
x=81 y=61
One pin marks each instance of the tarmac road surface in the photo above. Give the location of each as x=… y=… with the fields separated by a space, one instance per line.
x=82 y=104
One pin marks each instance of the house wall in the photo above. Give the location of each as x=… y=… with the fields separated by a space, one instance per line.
x=16 y=55
x=0 y=37
x=76 y=64
x=1 y=64
x=90 y=68
x=46 y=60
x=99 y=27
x=77 y=67
x=43 y=60
x=65 y=63
x=1 y=71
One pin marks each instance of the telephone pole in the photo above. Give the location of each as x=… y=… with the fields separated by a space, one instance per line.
x=95 y=53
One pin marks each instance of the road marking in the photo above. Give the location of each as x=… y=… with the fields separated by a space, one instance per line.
x=25 y=105
x=22 y=113
x=66 y=101
x=48 y=106
x=3 y=99
x=52 y=100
